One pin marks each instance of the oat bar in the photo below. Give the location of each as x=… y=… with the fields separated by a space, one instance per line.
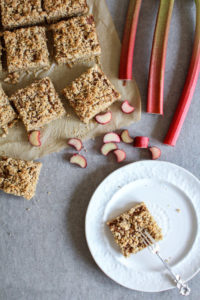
x=7 y=113
x=38 y=104
x=90 y=94
x=126 y=229
x=58 y=9
x=15 y=13
x=19 y=177
x=75 y=40
x=26 y=49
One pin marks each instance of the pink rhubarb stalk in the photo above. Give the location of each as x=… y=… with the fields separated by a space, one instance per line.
x=189 y=88
x=158 y=58
x=128 y=43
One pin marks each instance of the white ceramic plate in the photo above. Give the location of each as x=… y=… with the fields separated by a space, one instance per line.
x=165 y=188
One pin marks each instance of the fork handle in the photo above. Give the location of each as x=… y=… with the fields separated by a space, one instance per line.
x=184 y=289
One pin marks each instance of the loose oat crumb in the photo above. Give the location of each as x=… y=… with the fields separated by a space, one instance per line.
x=12 y=78
x=178 y=210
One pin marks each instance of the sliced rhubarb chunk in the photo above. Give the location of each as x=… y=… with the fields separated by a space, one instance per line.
x=126 y=137
x=141 y=142
x=155 y=151
x=120 y=155
x=127 y=108
x=111 y=137
x=76 y=143
x=79 y=160
x=107 y=148
x=34 y=138
x=104 y=119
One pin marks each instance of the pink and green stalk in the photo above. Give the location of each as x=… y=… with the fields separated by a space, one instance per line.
x=128 y=43
x=158 y=58
x=189 y=88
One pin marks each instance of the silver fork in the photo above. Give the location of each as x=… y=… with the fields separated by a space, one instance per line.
x=154 y=248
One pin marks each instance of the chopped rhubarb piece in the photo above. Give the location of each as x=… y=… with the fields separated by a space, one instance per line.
x=120 y=155
x=34 y=138
x=126 y=137
x=76 y=143
x=128 y=43
x=141 y=142
x=156 y=152
x=111 y=137
x=79 y=160
x=107 y=148
x=127 y=108
x=189 y=88
x=158 y=58
x=104 y=119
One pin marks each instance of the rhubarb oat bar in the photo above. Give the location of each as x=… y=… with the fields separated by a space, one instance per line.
x=26 y=49
x=7 y=113
x=75 y=40
x=1 y=57
x=127 y=228
x=19 y=177
x=91 y=94
x=58 y=9
x=38 y=104
x=15 y=13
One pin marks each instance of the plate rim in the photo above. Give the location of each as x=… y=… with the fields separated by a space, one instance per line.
x=87 y=212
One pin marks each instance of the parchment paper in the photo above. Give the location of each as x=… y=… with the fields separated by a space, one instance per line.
x=55 y=135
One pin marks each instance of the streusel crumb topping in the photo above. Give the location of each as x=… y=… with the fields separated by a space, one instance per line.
x=127 y=228
x=26 y=49
x=38 y=104
x=75 y=40
x=91 y=94
x=19 y=177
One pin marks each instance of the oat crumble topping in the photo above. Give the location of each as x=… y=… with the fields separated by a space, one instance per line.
x=15 y=13
x=19 y=177
x=38 y=104
x=91 y=94
x=75 y=40
x=26 y=49
x=126 y=229
x=7 y=113
x=57 y=9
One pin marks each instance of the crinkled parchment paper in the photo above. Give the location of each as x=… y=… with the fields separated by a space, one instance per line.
x=55 y=135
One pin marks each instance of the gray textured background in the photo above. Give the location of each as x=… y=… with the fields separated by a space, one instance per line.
x=43 y=251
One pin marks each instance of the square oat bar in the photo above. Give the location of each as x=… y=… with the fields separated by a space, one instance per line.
x=7 y=113
x=126 y=229
x=58 y=9
x=19 y=177
x=75 y=40
x=26 y=49
x=38 y=104
x=15 y=13
x=91 y=94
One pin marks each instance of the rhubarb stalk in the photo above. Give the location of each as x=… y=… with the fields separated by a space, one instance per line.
x=189 y=88
x=128 y=43
x=158 y=58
